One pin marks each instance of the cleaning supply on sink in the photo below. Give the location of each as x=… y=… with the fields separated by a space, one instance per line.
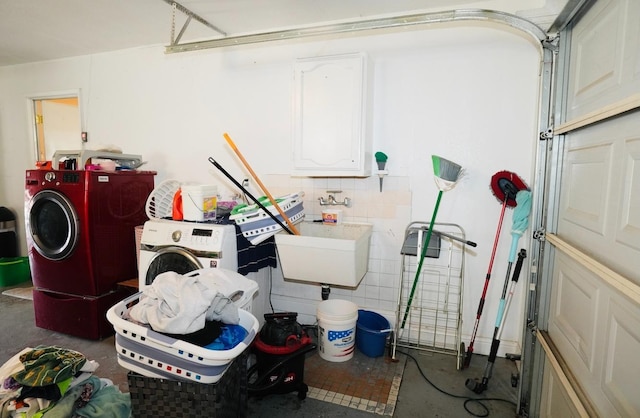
x=331 y=216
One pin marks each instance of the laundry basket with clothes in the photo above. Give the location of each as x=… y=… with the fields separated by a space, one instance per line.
x=186 y=327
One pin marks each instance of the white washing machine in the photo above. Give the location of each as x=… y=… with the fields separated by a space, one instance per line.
x=183 y=247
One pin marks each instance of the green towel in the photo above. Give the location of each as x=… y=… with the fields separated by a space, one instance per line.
x=47 y=365
x=103 y=402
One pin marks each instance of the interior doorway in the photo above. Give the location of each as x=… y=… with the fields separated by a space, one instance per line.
x=57 y=124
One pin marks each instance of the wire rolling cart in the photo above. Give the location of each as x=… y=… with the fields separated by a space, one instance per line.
x=432 y=320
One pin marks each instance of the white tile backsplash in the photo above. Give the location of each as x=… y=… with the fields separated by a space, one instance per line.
x=389 y=211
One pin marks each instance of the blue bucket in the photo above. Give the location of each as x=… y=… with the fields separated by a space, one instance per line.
x=371 y=333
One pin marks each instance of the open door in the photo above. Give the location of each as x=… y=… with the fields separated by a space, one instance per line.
x=57 y=124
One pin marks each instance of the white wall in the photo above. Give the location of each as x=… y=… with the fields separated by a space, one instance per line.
x=467 y=92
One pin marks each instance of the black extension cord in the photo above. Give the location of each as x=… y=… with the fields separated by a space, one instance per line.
x=467 y=399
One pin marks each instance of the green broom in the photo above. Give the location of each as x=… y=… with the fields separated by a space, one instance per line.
x=446 y=174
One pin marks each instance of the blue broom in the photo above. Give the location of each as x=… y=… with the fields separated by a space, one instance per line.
x=446 y=175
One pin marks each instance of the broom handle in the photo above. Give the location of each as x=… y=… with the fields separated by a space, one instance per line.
x=264 y=189
x=422 y=256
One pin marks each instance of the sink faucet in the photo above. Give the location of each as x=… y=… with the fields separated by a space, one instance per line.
x=331 y=200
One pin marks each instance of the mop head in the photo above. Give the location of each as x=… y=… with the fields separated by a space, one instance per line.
x=506 y=185
x=521 y=212
x=446 y=173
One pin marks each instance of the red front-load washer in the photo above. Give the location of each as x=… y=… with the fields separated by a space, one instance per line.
x=80 y=228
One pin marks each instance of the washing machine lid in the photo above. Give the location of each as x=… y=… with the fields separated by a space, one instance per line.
x=202 y=238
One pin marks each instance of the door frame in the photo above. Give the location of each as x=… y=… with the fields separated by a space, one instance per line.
x=31 y=100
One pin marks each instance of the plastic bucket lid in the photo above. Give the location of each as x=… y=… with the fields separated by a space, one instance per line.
x=337 y=310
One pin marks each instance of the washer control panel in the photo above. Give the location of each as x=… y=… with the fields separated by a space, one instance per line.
x=194 y=236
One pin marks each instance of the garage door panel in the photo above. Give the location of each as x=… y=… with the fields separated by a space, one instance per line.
x=555 y=400
x=629 y=226
x=596 y=329
x=599 y=200
x=604 y=57
x=586 y=187
x=573 y=313
x=598 y=65
x=621 y=369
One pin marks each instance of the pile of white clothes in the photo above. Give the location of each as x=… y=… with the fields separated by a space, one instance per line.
x=181 y=304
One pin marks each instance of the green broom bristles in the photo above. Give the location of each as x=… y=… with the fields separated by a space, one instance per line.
x=446 y=173
x=445 y=169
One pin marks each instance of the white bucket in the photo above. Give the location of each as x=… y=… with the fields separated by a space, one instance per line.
x=199 y=202
x=337 y=329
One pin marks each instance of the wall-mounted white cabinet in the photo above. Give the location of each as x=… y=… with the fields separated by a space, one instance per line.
x=332 y=116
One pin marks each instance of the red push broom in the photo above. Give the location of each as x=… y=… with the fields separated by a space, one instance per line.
x=446 y=174
x=505 y=185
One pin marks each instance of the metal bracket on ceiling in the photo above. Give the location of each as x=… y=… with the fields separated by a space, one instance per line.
x=190 y=15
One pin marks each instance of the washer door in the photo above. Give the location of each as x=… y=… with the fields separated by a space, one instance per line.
x=175 y=259
x=52 y=224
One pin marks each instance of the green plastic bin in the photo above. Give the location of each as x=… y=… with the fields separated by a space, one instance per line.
x=14 y=270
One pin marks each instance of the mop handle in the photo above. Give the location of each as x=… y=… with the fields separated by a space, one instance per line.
x=502 y=299
x=260 y=205
x=515 y=237
x=262 y=186
x=514 y=281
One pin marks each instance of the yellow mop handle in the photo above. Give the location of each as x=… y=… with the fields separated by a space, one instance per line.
x=264 y=189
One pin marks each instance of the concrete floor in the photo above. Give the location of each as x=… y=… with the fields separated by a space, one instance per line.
x=417 y=397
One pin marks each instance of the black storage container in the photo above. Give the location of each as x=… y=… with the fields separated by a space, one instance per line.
x=151 y=397
x=8 y=238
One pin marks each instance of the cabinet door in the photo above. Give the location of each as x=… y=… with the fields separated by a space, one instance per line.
x=331 y=129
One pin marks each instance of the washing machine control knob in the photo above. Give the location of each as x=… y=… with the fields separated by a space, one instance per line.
x=176 y=235
x=50 y=176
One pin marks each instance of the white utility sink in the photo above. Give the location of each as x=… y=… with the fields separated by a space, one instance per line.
x=328 y=254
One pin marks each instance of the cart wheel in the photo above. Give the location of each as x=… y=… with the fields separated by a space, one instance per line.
x=302 y=393
x=461 y=356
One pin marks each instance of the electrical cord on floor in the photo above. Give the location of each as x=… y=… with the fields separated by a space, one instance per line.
x=467 y=399
x=271 y=288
